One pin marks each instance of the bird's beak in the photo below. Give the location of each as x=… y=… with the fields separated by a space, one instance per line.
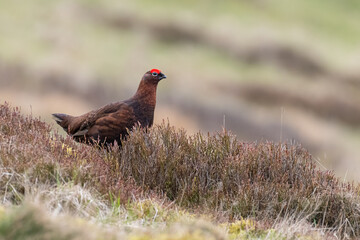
x=162 y=76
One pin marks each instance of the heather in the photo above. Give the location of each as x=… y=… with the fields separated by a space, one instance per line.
x=253 y=58
x=163 y=178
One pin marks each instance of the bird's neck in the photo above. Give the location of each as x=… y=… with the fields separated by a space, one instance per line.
x=146 y=93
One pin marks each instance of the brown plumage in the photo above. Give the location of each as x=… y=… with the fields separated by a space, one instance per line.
x=112 y=122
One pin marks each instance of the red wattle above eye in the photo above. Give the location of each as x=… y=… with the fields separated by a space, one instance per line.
x=155 y=70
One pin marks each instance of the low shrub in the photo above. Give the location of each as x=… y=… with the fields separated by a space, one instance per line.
x=215 y=173
x=31 y=152
x=263 y=180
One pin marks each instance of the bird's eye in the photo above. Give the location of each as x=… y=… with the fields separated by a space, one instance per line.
x=154 y=74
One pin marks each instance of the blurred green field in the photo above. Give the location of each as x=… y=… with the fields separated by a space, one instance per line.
x=245 y=60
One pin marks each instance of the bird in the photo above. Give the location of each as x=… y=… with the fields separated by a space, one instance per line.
x=112 y=122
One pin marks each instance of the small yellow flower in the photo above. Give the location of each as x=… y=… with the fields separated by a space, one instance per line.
x=69 y=151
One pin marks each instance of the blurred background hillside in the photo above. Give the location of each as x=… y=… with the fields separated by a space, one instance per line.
x=268 y=70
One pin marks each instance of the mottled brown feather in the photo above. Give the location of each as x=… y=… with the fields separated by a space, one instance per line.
x=112 y=122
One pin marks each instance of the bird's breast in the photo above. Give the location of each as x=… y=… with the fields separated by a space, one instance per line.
x=144 y=113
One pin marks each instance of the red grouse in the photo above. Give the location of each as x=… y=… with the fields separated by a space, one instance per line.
x=112 y=122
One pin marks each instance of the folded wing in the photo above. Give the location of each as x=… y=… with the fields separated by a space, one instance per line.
x=108 y=123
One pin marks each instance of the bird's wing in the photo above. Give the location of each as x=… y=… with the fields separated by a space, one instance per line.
x=107 y=122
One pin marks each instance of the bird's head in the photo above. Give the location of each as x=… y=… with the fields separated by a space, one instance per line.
x=153 y=76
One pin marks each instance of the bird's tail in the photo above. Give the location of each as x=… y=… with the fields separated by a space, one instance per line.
x=62 y=119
